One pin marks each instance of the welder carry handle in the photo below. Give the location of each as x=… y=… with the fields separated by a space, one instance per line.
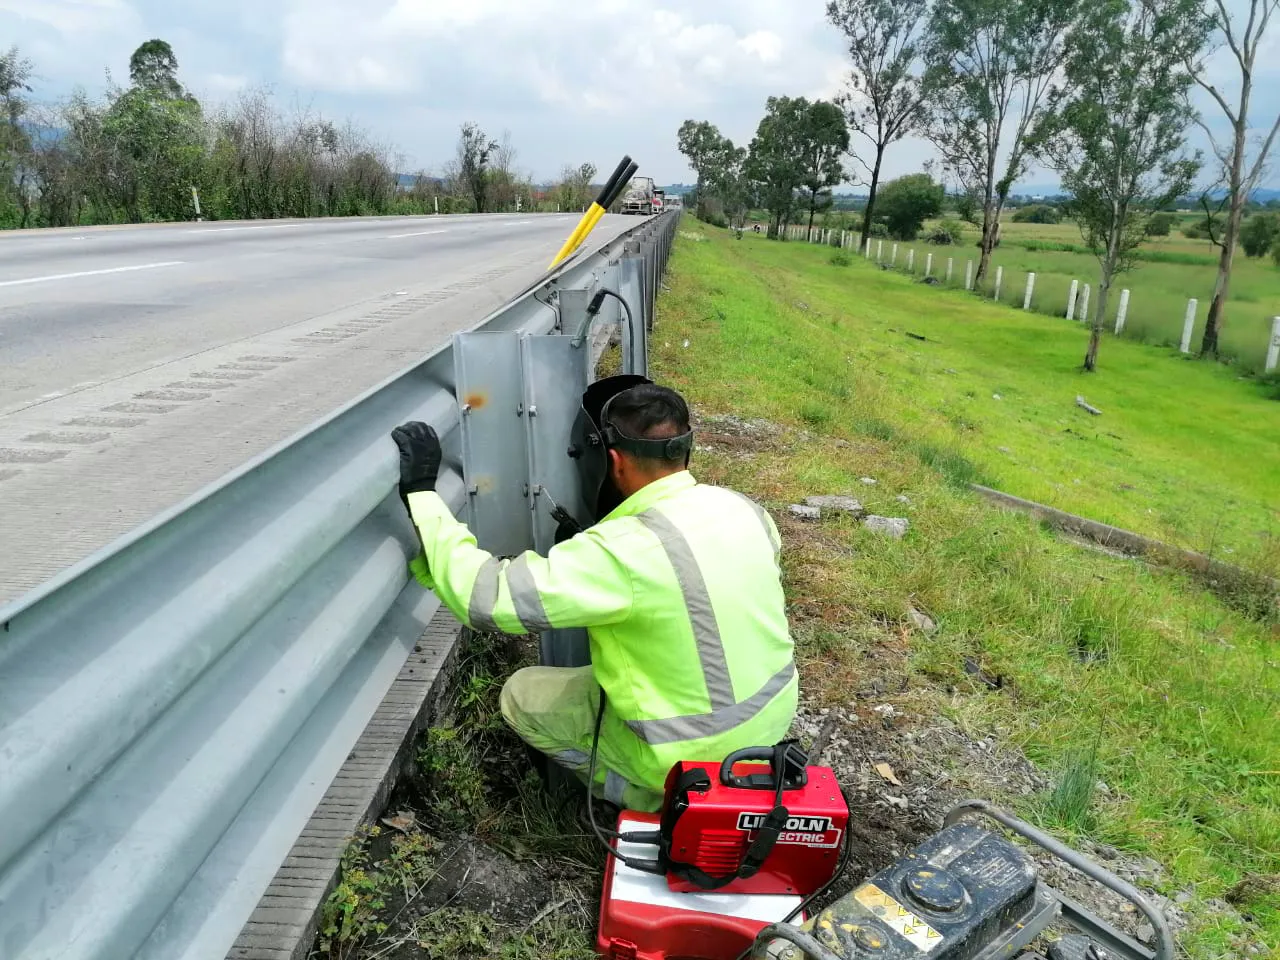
x=1092 y=926
x=795 y=773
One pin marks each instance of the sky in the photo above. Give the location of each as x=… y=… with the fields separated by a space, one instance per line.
x=572 y=81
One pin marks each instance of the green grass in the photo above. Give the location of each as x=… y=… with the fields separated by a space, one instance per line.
x=1184 y=451
x=1179 y=692
x=1169 y=272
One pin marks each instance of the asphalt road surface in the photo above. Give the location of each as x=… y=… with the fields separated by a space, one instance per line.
x=138 y=364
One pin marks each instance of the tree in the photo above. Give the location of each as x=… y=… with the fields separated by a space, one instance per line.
x=991 y=65
x=966 y=205
x=823 y=138
x=906 y=203
x=711 y=155
x=884 y=98
x=1036 y=213
x=1119 y=127
x=573 y=192
x=1240 y=175
x=154 y=67
x=1258 y=233
x=15 y=143
x=474 y=150
x=1159 y=224
x=775 y=162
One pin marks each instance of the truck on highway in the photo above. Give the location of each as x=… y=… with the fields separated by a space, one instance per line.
x=638 y=198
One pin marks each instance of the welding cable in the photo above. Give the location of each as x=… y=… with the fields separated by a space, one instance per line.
x=803 y=906
x=609 y=193
x=650 y=837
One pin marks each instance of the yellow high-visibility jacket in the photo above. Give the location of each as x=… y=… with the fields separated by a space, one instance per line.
x=681 y=594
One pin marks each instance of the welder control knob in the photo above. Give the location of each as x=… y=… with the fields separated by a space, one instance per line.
x=934 y=889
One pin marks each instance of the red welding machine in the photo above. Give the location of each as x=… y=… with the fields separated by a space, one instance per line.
x=739 y=845
x=734 y=827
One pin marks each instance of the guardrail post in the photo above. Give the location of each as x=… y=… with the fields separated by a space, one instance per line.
x=1031 y=288
x=1071 y=299
x=893 y=257
x=999 y=282
x=1084 y=304
x=968 y=275
x=1273 y=349
x=911 y=260
x=879 y=250
x=951 y=262
x=1188 y=323
x=1122 y=311
x=631 y=287
x=928 y=265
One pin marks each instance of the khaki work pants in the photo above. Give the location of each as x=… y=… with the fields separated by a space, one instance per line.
x=553 y=709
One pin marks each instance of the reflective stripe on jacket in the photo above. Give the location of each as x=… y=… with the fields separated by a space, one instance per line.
x=681 y=593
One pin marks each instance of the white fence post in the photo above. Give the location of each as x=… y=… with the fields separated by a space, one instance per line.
x=893 y=257
x=1188 y=322
x=1084 y=304
x=1031 y=288
x=999 y=282
x=879 y=250
x=951 y=262
x=928 y=265
x=1273 y=351
x=1122 y=312
x=911 y=260
x=968 y=275
x=1071 y=299
x=868 y=248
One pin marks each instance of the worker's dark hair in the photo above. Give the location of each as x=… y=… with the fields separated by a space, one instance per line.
x=650 y=412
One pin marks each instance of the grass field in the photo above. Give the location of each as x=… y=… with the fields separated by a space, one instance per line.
x=1174 y=269
x=1185 y=450
x=1179 y=692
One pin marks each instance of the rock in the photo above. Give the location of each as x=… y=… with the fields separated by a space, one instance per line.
x=895 y=527
x=869 y=481
x=884 y=709
x=1004 y=450
x=1146 y=933
x=899 y=802
x=903 y=498
x=1182 y=897
x=836 y=504
x=996 y=396
x=922 y=620
x=802 y=512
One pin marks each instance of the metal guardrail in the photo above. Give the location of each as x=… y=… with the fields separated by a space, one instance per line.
x=169 y=687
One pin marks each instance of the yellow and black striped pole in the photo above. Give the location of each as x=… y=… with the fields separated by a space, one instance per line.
x=608 y=194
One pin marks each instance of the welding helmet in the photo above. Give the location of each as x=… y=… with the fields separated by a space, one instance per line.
x=593 y=436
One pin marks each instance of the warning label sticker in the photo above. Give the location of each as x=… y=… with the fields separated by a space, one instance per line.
x=903 y=922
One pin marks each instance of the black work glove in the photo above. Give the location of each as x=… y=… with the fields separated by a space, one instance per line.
x=420 y=456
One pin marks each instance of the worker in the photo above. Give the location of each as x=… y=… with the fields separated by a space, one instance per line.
x=678 y=585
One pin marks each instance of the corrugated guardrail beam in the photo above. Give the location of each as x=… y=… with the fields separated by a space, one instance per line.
x=147 y=694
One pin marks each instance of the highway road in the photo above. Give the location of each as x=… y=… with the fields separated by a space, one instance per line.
x=138 y=364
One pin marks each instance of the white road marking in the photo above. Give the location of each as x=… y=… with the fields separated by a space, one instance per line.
x=90 y=273
x=266 y=226
x=419 y=233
